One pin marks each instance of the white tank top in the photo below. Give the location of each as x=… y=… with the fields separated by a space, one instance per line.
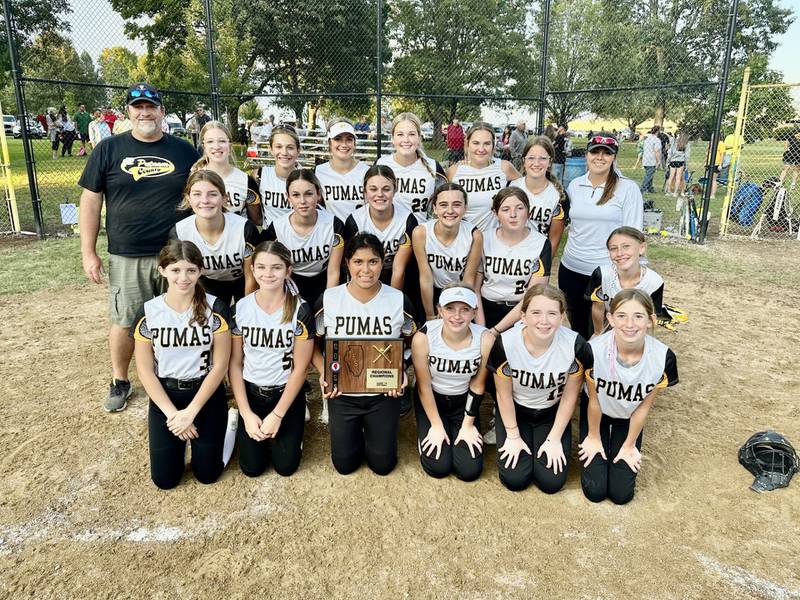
x=242 y=191
x=415 y=184
x=224 y=259
x=342 y=193
x=268 y=344
x=273 y=195
x=448 y=262
x=310 y=253
x=620 y=389
x=481 y=186
x=396 y=235
x=604 y=289
x=545 y=207
x=508 y=269
x=538 y=383
x=451 y=370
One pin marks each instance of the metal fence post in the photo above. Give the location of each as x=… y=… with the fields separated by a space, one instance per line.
x=712 y=151
x=212 y=62
x=543 y=75
x=27 y=147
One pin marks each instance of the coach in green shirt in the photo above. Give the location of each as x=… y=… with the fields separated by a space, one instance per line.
x=82 y=120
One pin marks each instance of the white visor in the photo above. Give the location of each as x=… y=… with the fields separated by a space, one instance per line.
x=340 y=128
x=458 y=294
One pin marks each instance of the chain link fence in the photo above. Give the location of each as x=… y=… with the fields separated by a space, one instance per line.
x=588 y=66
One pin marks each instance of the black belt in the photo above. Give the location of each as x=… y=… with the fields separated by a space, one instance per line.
x=449 y=399
x=267 y=391
x=171 y=383
x=502 y=302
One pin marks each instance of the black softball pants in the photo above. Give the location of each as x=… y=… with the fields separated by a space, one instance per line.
x=534 y=425
x=227 y=291
x=311 y=287
x=167 y=451
x=603 y=478
x=579 y=309
x=453 y=458
x=286 y=449
x=364 y=427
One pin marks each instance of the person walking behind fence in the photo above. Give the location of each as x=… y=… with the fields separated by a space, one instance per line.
x=68 y=132
x=455 y=142
x=651 y=158
x=516 y=145
x=98 y=129
x=678 y=159
x=560 y=159
x=141 y=175
x=53 y=129
x=82 y=120
x=791 y=158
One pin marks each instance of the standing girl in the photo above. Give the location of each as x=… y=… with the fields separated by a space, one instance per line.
x=538 y=371
x=447 y=249
x=515 y=258
x=273 y=341
x=450 y=355
x=226 y=240
x=481 y=175
x=626 y=248
x=241 y=189
x=678 y=159
x=342 y=177
x=312 y=235
x=549 y=202
x=417 y=175
x=182 y=349
x=363 y=425
x=600 y=201
x=391 y=223
x=285 y=147
x=630 y=369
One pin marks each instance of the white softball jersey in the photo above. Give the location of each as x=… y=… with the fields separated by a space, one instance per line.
x=241 y=190
x=396 y=235
x=415 y=184
x=387 y=315
x=481 y=186
x=447 y=263
x=181 y=350
x=545 y=207
x=604 y=285
x=224 y=259
x=451 y=370
x=343 y=193
x=622 y=389
x=508 y=269
x=538 y=382
x=310 y=253
x=275 y=202
x=268 y=343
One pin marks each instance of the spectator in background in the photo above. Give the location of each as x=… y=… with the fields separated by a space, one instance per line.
x=677 y=159
x=82 y=120
x=733 y=143
x=266 y=129
x=122 y=124
x=53 y=129
x=196 y=123
x=791 y=158
x=517 y=143
x=68 y=131
x=111 y=117
x=550 y=132
x=560 y=158
x=42 y=121
x=651 y=158
x=455 y=142
x=503 y=144
x=362 y=127
x=255 y=131
x=639 y=151
x=98 y=129
x=718 y=158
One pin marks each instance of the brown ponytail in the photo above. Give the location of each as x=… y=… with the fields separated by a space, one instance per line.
x=611 y=184
x=176 y=250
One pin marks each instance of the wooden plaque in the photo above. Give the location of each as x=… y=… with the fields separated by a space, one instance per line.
x=362 y=366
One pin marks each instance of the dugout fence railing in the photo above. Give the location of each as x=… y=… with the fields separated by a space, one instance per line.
x=547 y=62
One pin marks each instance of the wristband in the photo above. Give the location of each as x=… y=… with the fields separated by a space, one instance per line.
x=473 y=405
x=277 y=415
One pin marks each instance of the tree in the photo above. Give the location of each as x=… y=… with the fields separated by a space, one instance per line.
x=92 y=97
x=251 y=111
x=118 y=66
x=52 y=56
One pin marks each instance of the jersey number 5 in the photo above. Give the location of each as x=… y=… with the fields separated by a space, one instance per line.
x=288 y=361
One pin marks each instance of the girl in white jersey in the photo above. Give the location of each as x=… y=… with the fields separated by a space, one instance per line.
x=626 y=248
x=240 y=188
x=225 y=239
x=363 y=426
x=390 y=222
x=538 y=371
x=312 y=235
x=342 y=177
x=182 y=347
x=549 y=202
x=448 y=249
x=273 y=341
x=417 y=174
x=481 y=175
x=600 y=201
x=515 y=258
x=450 y=355
x=285 y=147
x=629 y=369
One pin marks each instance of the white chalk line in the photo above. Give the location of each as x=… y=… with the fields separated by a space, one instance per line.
x=744 y=579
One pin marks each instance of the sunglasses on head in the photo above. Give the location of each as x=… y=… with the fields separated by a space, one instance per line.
x=285 y=128
x=145 y=93
x=601 y=139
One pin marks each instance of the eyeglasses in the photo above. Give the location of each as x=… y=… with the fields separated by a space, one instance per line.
x=600 y=139
x=146 y=93
x=540 y=159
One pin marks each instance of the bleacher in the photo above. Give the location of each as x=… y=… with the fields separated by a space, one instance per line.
x=315 y=149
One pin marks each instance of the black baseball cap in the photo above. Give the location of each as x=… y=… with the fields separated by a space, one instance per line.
x=143 y=91
x=603 y=140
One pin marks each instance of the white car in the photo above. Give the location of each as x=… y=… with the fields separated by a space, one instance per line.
x=427 y=131
x=9 y=122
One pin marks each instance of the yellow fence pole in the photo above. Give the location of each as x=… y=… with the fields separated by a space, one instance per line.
x=11 y=196
x=738 y=142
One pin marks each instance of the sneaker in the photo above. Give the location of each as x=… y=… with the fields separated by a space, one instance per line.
x=308 y=413
x=118 y=393
x=490 y=437
x=323 y=416
x=405 y=402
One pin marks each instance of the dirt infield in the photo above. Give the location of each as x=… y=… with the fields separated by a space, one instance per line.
x=79 y=517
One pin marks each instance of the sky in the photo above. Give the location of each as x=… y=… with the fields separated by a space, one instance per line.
x=786 y=57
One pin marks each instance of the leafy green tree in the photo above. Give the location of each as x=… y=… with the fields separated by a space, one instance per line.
x=118 y=66
x=251 y=111
x=52 y=56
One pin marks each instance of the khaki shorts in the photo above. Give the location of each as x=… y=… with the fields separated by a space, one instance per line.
x=133 y=280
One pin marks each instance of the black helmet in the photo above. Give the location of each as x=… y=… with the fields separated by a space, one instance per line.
x=771 y=458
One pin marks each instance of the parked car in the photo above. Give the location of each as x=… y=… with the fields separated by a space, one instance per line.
x=9 y=121
x=427 y=131
x=177 y=129
x=34 y=129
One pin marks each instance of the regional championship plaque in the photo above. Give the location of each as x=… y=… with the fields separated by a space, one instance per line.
x=360 y=366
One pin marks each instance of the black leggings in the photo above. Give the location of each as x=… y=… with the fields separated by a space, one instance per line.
x=603 y=478
x=579 y=309
x=227 y=291
x=364 y=427
x=285 y=450
x=453 y=459
x=534 y=425
x=167 y=451
x=311 y=287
